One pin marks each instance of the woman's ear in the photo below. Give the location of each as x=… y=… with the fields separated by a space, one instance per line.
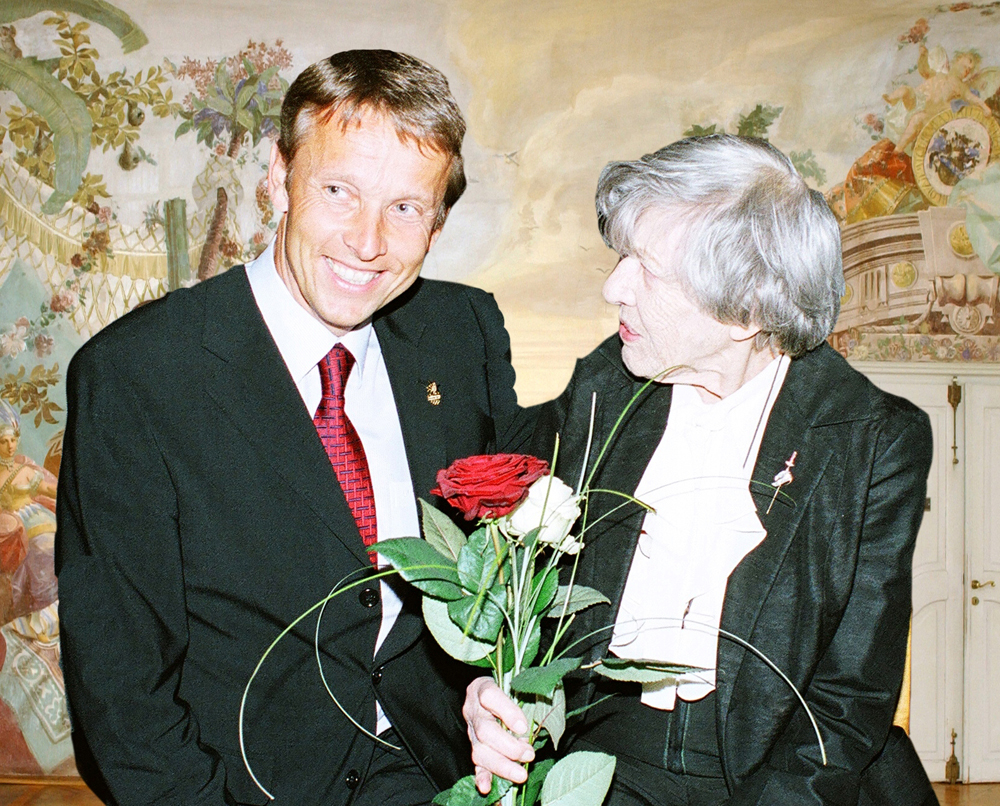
x=742 y=333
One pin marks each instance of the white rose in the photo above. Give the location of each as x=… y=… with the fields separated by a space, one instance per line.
x=554 y=506
x=570 y=545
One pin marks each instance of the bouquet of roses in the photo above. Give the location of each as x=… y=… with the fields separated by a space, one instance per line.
x=486 y=596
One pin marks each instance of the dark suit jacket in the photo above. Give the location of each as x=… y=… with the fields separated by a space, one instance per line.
x=825 y=596
x=199 y=516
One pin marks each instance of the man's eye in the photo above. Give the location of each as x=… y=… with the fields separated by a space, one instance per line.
x=334 y=190
x=406 y=209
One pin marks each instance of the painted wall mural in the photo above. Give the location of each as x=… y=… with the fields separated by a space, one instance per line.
x=70 y=266
x=134 y=139
x=920 y=207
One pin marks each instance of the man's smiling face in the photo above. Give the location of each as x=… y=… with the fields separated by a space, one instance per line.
x=361 y=206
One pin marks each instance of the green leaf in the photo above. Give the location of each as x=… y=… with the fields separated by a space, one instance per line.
x=478 y=615
x=246 y=93
x=220 y=104
x=464 y=793
x=477 y=562
x=549 y=712
x=758 y=121
x=422 y=566
x=449 y=636
x=579 y=779
x=807 y=166
x=536 y=777
x=701 y=131
x=66 y=115
x=223 y=81
x=544 y=586
x=529 y=538
x=441 y=532
x=580 y=598
x=642 y=671
x=532 y=645
x=245 y=119
x=542 y=680
x=265 y=77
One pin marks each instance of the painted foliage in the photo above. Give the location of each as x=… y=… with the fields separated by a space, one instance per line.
x=69 y=265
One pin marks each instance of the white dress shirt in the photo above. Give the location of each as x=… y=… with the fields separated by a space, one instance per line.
x=303 y=341
x=704 y=524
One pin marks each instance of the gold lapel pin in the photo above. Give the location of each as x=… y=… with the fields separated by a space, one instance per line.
x=781 y=478
x=433 y=394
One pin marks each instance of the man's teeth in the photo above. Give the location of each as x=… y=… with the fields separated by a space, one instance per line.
x=352 y=276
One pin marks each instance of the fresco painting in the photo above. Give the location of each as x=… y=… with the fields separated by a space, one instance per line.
x=134 y=140
x=920 y=212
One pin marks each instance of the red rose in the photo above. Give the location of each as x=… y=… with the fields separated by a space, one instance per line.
x=488 y=486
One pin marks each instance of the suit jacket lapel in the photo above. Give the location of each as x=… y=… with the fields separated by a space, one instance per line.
x=789 y=430
x=251 y=384
x=422 y=423
x=410 y=371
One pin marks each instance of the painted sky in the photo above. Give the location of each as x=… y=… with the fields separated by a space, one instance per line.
x=553 y=90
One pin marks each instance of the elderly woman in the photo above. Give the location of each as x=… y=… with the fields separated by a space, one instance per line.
x=787 y=489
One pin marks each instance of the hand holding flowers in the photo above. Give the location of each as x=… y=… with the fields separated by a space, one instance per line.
x=486 y=597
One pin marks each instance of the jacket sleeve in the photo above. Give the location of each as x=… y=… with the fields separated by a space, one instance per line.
x=122 y=602
x=855 y=685
x=513 y=424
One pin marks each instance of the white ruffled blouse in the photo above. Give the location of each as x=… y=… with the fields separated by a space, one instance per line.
x=704 y=524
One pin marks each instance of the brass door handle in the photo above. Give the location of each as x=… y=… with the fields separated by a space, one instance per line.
x=976 y=584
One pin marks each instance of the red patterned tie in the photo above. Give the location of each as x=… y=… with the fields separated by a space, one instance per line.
x=343 y=445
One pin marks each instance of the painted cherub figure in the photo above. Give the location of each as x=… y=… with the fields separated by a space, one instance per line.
x=943 y=83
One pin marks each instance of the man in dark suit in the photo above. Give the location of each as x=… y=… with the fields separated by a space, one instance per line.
x=232 y=450
x=788 y=491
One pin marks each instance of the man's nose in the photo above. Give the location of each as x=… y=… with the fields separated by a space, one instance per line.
x=366 y=234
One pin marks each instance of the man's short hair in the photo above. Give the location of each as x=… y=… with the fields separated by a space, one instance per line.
x=407 y=90
x=761 y=248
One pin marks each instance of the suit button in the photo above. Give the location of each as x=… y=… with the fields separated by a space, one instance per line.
x=368 y=597
x=377 y=676
x=353 y=779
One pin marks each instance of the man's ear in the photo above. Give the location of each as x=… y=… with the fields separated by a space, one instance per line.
x=277 y=176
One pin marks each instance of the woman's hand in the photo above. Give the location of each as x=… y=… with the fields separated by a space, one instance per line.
x=495 y=751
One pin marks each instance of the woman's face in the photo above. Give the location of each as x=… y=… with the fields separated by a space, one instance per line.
x=8 y=444
x=661 y=327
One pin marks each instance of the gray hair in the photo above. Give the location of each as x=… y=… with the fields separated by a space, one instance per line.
x=761 y=248
x=411 y=93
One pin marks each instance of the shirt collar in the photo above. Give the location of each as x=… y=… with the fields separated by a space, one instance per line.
x=302 y=339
